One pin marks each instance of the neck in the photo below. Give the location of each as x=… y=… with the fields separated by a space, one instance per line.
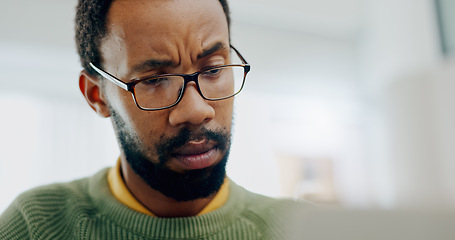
x=155 y=201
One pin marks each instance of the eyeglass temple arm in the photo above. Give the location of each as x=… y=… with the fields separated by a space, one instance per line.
x=240 y=55
x=111 y=78
x=125 y=86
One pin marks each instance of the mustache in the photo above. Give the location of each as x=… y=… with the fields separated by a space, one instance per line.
x=167 y=145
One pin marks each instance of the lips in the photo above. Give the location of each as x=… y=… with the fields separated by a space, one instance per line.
x=197 y=154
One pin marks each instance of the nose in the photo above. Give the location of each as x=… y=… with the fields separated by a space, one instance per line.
x=192 y=108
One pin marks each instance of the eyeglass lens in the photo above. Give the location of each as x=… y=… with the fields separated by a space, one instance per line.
x=215 y=84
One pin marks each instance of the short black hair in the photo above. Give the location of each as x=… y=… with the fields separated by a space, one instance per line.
x=91 y=17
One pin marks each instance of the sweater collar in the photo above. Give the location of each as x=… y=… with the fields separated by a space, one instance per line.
x=122 y=193
x=110 y=208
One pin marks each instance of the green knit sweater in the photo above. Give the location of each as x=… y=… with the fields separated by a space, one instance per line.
x=86 y=209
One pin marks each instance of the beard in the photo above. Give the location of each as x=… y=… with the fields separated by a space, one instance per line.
x=180 y=186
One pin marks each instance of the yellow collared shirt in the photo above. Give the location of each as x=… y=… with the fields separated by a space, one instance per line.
x=123 y=194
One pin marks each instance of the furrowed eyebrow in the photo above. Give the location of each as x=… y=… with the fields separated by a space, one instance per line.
x=151 y=64
x=156 y=64
x=217 y=46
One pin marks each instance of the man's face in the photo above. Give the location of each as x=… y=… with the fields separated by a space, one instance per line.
x=181 y=151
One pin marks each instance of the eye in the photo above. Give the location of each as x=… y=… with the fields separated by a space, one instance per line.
x=212 y=72
x=155 y=81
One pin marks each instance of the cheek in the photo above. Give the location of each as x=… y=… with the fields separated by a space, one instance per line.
x=223 y=111
x=151 y=124
x=149 y=127
x=118 y=99
x=143 y=124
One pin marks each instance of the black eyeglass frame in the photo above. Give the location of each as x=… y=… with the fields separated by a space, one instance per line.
x=130 y=86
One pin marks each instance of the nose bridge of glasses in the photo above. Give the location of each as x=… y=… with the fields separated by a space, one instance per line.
x=188 y=78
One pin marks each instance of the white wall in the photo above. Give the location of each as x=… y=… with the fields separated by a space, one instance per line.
x=407 y=82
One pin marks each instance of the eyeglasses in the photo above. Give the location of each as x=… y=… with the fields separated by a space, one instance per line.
x=164 y=91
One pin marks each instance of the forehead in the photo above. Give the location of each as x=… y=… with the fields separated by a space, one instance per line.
x=166 y=23
x=162 y=11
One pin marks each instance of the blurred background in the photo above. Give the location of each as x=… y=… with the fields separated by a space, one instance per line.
x=349 y=102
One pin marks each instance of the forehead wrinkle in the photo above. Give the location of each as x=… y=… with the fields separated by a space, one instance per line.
x=183 y=45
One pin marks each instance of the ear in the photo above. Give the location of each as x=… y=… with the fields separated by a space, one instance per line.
x=90 y=88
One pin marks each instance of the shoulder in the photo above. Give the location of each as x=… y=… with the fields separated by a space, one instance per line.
x=270 y=215
x=53 y=192
x=37 y=209
x=60 y=196
x=46 y=202
x=260 y=203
